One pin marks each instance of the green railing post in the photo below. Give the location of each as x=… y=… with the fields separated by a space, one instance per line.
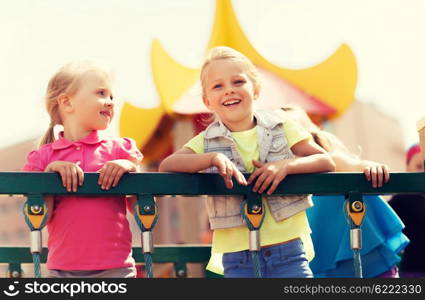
x=254 y=202
x=355 y=209
x=252 y=212
x=180 y=269
x=146 y=204
x=35 y=213
x=14 y=270
x=35 y=204
x=146 y=215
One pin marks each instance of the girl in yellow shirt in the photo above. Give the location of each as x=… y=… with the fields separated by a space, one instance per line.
x=263 y=144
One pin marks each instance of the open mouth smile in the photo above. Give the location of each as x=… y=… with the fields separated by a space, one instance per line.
x=231 y=102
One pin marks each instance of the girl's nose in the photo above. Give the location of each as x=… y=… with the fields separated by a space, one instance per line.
x=229 y=90
x=109 y=102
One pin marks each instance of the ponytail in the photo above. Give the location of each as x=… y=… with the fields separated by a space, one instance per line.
x=49 y=135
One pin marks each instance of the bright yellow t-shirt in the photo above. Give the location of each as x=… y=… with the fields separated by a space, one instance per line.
x=271 y=232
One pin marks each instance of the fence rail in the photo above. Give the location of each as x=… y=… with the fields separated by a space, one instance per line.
x=163 y=254
x=160 y=184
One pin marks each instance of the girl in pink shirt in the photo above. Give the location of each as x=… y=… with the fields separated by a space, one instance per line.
x=88 y=236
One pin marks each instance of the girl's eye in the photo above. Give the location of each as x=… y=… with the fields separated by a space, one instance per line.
x=101 y=92
x=239 y=81
x=217 y=86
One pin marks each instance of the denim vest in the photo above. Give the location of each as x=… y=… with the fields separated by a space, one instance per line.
x=224 y=211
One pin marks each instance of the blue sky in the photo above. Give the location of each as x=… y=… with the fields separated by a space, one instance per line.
x=387 y=38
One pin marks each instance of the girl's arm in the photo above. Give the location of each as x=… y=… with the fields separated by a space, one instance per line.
x=376 y=172
x=312 y=158
x=186 y=160
x=71 y=173
x=112 y=171
x=346 y=162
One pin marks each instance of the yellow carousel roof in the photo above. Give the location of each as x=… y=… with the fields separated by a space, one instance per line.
x=328 y=87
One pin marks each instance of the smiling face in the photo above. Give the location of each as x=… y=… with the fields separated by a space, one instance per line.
x=230 y=92
x=92 y=104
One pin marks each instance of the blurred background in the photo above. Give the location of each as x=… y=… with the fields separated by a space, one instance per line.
x=355 y=66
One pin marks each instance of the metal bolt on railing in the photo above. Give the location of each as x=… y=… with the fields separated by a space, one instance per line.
x=15 y=274
x=36 y=209
x=181 y=273
x=357 y=206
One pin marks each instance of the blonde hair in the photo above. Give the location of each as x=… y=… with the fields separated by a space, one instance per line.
x=221 y=52
x=66 y=80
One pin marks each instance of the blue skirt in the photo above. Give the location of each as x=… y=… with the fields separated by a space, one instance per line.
x=382 y=237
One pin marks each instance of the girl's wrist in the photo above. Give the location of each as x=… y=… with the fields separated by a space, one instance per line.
x=288 y=165
x=211 y=156
x=134 y=167
x=130 y=167
x=48 y=168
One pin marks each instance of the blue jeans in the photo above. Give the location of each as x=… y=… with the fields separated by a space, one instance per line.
x=286 y=260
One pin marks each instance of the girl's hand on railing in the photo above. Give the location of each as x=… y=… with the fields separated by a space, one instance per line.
x=268 y=173
x=71 y=173
x=112 y=171
x=376 y=172
x=227 y=170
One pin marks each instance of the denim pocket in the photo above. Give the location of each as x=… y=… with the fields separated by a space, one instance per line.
x=292 y=262
x=290 y=253
x=234 y=258
x=236 y=263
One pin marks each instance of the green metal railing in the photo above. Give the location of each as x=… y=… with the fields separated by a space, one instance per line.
x=147 y=185
x=178 y=255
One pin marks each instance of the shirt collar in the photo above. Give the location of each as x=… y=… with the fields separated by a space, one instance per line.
x=91 y=139
x=267 y=119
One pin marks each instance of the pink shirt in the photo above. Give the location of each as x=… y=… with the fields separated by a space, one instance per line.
x=87 y=233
